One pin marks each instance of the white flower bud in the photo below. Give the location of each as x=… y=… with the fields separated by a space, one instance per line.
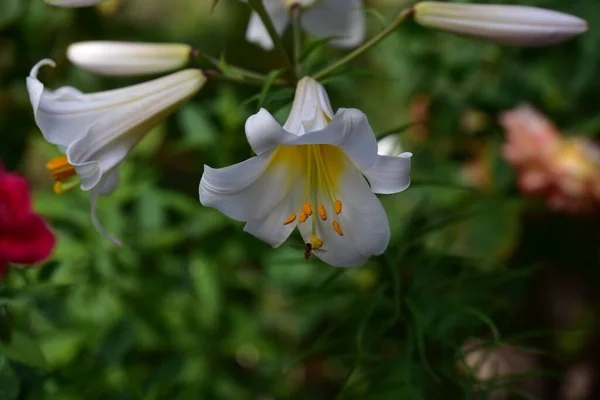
x=127 y=58
x=73 y=3
x=507 y=24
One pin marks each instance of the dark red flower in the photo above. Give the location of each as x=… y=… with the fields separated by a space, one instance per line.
x=24 y=235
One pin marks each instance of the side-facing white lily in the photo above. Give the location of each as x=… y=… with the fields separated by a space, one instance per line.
x=342 y=19
x=97 y=130
x=319 y=172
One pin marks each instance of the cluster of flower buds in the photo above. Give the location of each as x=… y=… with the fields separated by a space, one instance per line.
x=563 y=170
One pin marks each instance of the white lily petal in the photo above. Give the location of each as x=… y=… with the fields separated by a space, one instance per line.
x=350 y=131
x=363 y=221
x=257 y=32
x=271 y=228
x=110 y=182
x=343 y=19
x=94 y=194
x=66 y=114
x=310 y=109
x=264 y=133
x=245 y=191
x=73 y=3
x=390 y=174
x=110 y=138
x=128 y=58
x=508 y=24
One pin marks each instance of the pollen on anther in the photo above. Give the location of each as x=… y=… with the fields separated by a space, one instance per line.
x=337 y=228
x=290 y=219
x=322 y=212
x=337 y=206
x=303 y=217
x=316 y=242
x=306 y=207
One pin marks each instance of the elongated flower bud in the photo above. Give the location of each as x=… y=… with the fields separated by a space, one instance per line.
x=514 y=25
x=128 y=58
x=73 y=3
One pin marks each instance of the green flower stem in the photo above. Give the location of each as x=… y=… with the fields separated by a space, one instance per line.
x=258 y=6
x=213 y=75
x=403 y=16
x=296 y=11
x=253 y=77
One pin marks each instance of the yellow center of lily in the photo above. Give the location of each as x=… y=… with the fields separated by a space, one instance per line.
x=320 y=166
x=63 y=174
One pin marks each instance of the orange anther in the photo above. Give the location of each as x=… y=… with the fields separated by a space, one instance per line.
x=58 y=163
x=303 y=217
x=322 y=212
x=290 y=219
x=307 y=208
x=337 y=206
x=337 y=228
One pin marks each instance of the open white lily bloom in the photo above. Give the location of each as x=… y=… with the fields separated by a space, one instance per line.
x=311 y=174
x=97 y=130
x=128 y=58
x=342 y=19
x=73 y=3
x=507 y=24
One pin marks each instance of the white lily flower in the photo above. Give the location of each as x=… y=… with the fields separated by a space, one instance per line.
x=73 y=3
x=310 y=174
x=128 y=58
x=343 y=19
x=97 y=130
x=389 y=145
x=508 y=24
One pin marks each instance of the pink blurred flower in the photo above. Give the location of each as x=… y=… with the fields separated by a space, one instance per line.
x=565 y=171
x=24 y=235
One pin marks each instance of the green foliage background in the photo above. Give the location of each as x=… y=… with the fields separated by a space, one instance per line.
x=193 y=308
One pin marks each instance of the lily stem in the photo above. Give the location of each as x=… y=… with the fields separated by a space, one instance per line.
x=403 y=16
x=295 y=12
x=258 y=6
x=254 y=77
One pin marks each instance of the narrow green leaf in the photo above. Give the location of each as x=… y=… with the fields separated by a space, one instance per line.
x=268 y=83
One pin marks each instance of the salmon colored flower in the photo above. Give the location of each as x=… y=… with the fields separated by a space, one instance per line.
x=565 y=171
x=24 y=235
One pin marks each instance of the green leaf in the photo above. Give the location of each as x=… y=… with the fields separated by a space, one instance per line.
x=267 y=85
x=9 y=11
x=227 y=70
x=9 y=383
x=24 y=350
x=214 y=4
x=206 y=285
x=195 y=123
x=314 y=45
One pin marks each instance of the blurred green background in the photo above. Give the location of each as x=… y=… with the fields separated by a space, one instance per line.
x=193 y=308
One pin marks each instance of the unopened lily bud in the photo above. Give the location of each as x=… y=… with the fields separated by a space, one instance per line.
x=73 y=3
x=128 y=58
x=507 y=24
